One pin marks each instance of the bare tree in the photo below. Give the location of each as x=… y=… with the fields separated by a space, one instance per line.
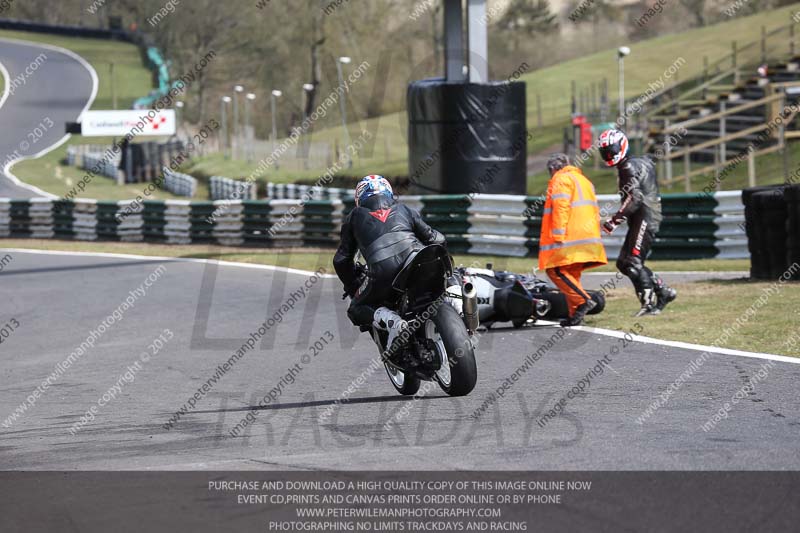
x=526 y=19
x=696 y=8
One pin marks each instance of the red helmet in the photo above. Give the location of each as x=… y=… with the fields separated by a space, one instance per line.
x=613 y=147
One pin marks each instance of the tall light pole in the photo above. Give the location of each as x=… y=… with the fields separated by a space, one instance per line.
x=622 y=51
x=178 y=113
x=224 y=132
x=237 y=89
x=248 y=136
x=307 y=88
x=344 y=60
x=274 y=105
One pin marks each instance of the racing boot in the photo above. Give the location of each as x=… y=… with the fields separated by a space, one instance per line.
x=648 y=299
x=580 y=314
x=387 y=319
x=664 y=294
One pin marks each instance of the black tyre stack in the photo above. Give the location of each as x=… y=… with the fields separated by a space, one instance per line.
x=771 y=228
x=792 y=196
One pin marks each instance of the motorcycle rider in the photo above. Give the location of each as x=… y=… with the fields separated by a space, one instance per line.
x=641 y=207
x=386 y=233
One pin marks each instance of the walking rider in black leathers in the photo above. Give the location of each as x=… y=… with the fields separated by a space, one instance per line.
x=641 y=207
x=386 y=233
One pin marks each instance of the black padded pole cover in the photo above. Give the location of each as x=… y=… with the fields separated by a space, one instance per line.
x=467 y=137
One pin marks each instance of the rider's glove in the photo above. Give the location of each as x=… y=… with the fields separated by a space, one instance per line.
x=610 y=225
x=350 y=290
x=359 y=275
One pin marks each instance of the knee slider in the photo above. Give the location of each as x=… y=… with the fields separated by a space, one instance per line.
x=632 y=266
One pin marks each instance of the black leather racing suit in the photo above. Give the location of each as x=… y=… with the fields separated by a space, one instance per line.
x=641 y=207
x=386 y=233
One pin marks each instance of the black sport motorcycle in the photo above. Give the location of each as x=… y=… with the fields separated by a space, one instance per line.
x=437 y=346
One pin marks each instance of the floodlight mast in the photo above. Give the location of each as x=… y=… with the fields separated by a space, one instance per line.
x=622 y=51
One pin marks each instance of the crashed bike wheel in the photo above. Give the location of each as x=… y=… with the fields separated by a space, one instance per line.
x=458 y=373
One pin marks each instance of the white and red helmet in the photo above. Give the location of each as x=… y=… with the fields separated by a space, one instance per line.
x=613 y=147
x=372 y=185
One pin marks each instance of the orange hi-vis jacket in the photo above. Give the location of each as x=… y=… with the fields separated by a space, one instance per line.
x=571 y=222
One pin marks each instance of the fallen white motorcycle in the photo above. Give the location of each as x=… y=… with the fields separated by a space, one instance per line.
x=485 y=296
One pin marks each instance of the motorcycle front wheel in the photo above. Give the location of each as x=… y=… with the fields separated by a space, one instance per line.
x=458 y=372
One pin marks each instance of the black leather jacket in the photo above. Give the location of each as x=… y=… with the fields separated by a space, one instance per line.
x=638 y=190
x=386 y=233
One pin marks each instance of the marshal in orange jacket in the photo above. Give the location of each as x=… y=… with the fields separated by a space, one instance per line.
x=571 y=222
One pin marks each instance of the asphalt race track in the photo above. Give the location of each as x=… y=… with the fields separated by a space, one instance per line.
x=211 y=310
x=56 y=88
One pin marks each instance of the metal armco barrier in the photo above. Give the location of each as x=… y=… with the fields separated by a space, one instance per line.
x=695 y=226
x=291 y=191
x=730 y=236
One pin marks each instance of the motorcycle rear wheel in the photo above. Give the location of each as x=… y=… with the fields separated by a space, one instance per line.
x=459 y=372
x=405 y=383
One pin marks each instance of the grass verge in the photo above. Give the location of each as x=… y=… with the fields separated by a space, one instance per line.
x=769 y=170
x=704 y=310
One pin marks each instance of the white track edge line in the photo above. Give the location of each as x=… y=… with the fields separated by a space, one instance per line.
x=7 y=85
x=588 y=329
x=172 y=259
x=681 y=272
x=681 y=344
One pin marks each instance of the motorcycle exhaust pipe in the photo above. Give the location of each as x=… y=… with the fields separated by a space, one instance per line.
x=469 y=295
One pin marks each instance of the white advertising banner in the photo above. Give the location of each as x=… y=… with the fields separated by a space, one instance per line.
x=133 y=122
